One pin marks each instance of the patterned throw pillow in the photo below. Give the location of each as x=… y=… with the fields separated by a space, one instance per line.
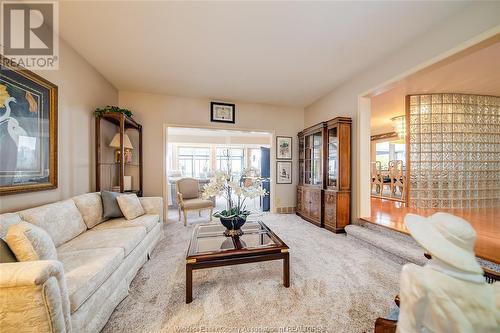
x=130 y=206
x=29 y=242
x=90 y=206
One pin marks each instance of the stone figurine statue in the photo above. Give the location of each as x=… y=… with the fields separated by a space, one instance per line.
x=449 y=293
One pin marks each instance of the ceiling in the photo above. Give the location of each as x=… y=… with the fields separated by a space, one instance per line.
x=473 y=72
x=262 y=52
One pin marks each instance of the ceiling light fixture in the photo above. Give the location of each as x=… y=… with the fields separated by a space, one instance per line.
x=400 y=126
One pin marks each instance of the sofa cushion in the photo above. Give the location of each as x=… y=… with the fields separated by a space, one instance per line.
x=110 y=205
x=90 y=206
x=6 y=220
x=125 y=238
x=130 y=206
x=148 y=221
x=61 y=220
x=86 y=270
x=29 y=242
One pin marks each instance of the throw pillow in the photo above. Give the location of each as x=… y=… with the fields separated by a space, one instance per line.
x=6 y=254
x=90 y=206
x=29 y=242
x=130 y=205
x=110 y=205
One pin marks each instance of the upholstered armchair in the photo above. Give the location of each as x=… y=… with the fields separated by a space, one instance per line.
x=189 y=198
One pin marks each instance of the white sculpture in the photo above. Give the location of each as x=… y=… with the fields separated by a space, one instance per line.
x=449 y=293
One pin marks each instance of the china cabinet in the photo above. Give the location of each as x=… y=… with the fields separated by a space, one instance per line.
x=324 y=189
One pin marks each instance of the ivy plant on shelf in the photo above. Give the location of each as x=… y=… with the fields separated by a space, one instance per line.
x=108 y=109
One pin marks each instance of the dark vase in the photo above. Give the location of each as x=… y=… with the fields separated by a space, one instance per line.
x=233 y=225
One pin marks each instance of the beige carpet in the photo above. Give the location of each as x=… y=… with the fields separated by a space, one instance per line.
x=336 y=286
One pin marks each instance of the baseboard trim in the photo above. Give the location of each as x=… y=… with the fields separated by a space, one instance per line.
x=285 y=210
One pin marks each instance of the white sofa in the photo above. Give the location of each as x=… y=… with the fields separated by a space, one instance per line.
x=97 y=260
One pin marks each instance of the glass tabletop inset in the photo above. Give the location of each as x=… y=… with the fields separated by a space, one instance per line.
x=210 y=239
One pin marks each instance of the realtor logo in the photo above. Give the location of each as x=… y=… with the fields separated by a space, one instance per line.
x=29 y=34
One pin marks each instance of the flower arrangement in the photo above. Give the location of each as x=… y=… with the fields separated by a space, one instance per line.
x=235 y=192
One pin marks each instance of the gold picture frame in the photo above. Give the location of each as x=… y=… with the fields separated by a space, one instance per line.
x=40 y=97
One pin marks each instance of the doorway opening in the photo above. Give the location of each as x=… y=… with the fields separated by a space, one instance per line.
x=431 y=147
x=199 y=152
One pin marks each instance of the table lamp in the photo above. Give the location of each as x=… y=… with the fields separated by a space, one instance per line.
x=115 y=143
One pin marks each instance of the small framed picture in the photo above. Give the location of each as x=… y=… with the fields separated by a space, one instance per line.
x=284 y=172
x=283 y=147
x=222 y=112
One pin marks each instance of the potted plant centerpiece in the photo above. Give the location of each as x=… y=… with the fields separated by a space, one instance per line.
x=236 y=191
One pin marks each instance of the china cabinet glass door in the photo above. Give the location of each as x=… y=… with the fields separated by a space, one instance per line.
x=301 y=160
x=307 y=159
x=316 y=158
x=333 y=165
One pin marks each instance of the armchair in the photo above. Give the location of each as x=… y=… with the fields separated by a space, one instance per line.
x=189 y=198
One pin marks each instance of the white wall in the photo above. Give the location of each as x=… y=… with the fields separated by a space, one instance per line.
x=81 y=90
x=343 y=101
x=154 y=111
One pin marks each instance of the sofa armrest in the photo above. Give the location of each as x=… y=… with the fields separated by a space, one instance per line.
x=33 y=297
x=153 y=205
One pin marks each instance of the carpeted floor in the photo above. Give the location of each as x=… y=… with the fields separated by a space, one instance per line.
x=336 y=286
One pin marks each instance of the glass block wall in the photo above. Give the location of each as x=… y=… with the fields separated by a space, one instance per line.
x=454 y=147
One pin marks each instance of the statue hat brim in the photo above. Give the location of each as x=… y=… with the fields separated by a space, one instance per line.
x=446 y=237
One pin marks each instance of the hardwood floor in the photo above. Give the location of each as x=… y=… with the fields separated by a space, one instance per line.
x=486 y=222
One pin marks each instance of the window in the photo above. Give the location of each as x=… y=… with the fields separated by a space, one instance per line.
x=400 y=152
x=232 y=157
x=194 y=161
x=389 y=151
x=382 y=154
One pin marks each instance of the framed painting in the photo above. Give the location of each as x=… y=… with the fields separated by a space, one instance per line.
x=283 y=147
x=222 y=112
x=284 y=172
x=28 y=131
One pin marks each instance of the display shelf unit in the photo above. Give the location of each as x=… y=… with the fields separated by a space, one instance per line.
x=123 y=123
x=324 y=189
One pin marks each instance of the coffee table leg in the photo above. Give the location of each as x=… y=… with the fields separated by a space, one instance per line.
x=286 y=270
x=189 y=283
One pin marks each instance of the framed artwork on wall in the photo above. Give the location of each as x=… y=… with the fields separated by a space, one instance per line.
x=283 y=147
x=28 y=131
x=222 y=112
x=284 y=172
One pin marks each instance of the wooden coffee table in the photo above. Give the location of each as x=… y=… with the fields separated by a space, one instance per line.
x=210 y=248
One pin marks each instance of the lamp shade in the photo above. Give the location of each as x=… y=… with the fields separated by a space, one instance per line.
x=115 y=143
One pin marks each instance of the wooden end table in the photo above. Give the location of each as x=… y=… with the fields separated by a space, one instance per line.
x=210 y=248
